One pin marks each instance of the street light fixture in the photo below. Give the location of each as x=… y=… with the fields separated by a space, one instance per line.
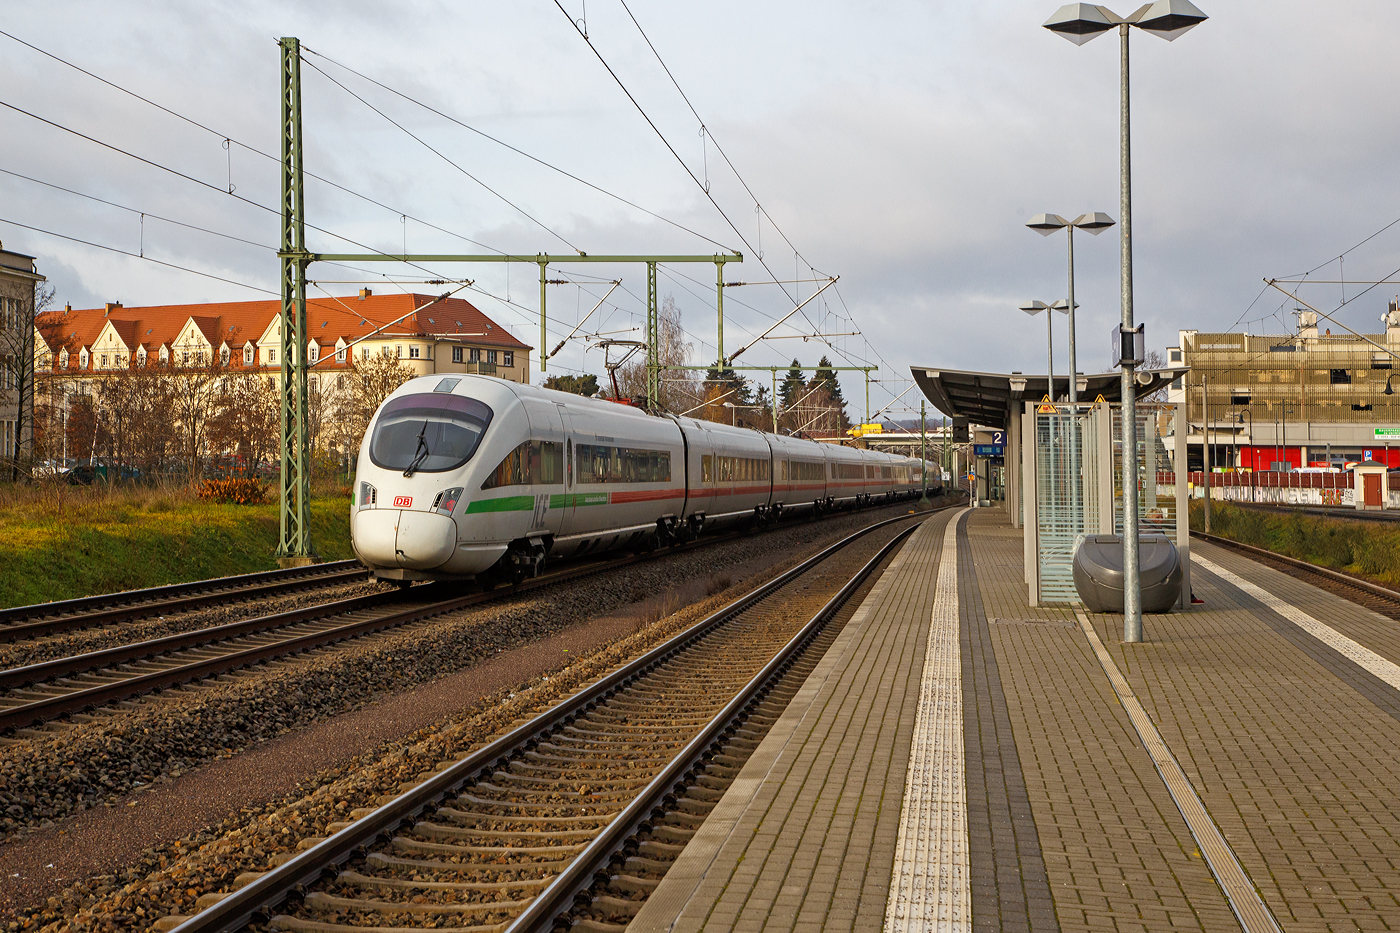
x=1095 y=223
x=1080 y=22
x=1033 y=308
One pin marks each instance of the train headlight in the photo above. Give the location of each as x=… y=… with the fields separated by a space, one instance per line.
x=447 y=500
x=369 y=496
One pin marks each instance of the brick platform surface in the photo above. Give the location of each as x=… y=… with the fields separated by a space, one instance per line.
x=1293 y=748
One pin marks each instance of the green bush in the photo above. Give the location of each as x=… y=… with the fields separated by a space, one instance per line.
x=1371 y=549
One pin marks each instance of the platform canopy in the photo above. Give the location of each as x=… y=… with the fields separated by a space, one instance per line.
x=990 y=399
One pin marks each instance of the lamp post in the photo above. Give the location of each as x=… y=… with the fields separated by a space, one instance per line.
x=1239 y=419
x=1095 y=223
x=1080 y=22
x=1033 y=308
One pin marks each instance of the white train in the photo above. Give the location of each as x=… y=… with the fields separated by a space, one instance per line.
x=462 y=476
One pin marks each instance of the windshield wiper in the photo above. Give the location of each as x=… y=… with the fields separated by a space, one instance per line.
x=421 y=452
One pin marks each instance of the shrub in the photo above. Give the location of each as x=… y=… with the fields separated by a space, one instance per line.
x=241 y=490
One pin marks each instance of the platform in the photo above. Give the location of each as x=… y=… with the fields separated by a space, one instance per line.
x=958 y=761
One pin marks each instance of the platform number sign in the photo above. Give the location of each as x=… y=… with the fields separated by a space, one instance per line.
x=998 y=437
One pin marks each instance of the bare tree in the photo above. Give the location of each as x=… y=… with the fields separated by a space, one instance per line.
x=361 y=393
x=18 y=366
x=680 y=389
x=192 y=399
x=245 y=422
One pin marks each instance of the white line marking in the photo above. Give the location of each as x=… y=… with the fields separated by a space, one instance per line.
x=1382 y=667
x=1249 y=908
x=930 y=890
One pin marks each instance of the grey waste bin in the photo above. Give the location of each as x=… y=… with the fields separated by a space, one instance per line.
x=1098 y=572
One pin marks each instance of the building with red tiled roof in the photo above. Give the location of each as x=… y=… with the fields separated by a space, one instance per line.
x=427 y=334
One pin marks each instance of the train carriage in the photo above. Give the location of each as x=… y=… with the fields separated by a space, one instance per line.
x=470 y=475
x=799 y=473
x=730 y=473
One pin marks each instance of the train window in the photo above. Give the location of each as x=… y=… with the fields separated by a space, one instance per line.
x=428 y=432
x=530 y=464
x=599 y=463
x=804 y=472
x=707 y=469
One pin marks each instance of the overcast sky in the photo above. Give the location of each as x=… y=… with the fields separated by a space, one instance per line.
x=899 y=145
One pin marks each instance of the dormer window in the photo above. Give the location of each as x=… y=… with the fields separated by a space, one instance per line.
x=314 y=352
x=340 y=351
x=63 y=358
x=223 y=355
x=164 y=355
x=248 y=352
x=141 y=357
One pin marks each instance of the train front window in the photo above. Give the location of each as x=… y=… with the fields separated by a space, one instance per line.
x=428 y=432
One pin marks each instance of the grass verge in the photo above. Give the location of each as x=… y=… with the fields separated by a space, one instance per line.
x=99 y=541
x=1371 y=549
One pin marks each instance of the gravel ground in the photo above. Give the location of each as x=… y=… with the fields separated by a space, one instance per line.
x=99 y=763
x=67 y=644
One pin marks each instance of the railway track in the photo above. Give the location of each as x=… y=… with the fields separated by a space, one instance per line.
x=77 y=688
x=1373 y=596
x=571 y=819
x=21 y=622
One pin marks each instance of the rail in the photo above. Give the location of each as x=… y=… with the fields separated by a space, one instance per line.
x=263 y=895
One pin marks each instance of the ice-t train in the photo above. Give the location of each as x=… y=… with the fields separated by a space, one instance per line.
x=463 y=476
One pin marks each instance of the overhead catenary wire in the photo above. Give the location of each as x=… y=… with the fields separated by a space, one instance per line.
x=126 y=252
x=443 y=156
x=672 y=149
x=246 y=146
x=500 y=142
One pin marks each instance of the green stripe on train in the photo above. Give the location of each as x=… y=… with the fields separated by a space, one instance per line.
x=577 y=499
x=504 y=504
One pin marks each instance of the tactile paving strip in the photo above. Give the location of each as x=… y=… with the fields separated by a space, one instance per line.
x=929 y=889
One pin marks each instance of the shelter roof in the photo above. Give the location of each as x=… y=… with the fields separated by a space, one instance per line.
x=992 y=399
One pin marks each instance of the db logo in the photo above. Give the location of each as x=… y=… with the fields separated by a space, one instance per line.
x=402 y=502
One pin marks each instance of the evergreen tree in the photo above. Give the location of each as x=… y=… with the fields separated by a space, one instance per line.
x=791 y=389
x=825 y=376
x=585 y=384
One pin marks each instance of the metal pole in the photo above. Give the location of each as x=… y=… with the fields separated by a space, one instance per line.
x=775 y=400
x=294 y=546
x=1205 y=446
x=1073 y=372
x=923 y=441
x=653 y=341
x=719 y=306
x=544 y=339
x=1132 y=582
x=1050 y=353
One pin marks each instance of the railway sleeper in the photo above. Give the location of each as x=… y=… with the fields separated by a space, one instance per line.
x=382 y=861
x=329 y=903
x=468 y=800
x=438 y=831
x=585 y=758
x=353 y=879
x=633 y=884
x=450 y=813
x=423 y=847
x=675 y=835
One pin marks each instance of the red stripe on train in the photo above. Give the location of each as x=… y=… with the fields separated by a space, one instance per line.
x=647 y=495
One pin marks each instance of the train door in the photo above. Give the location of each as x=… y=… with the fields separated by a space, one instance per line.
x=547 y=425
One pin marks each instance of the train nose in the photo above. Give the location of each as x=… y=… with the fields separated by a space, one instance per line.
x=400 y=538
